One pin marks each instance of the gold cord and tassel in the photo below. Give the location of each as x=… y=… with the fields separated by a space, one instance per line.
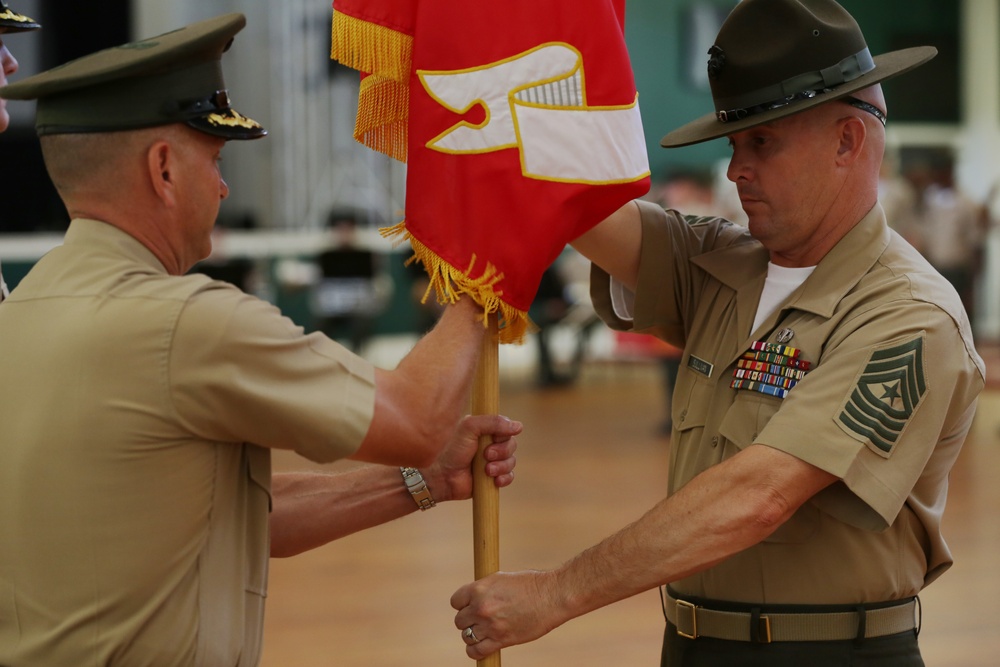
x=385 y=55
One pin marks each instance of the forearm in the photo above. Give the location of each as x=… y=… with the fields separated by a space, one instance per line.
x=441 y=366
x=311 y=509
x=721 y=512
x=419 y=403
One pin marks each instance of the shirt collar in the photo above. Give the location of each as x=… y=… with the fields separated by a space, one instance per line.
x=89 y=231
x=845 y=265
x=743 y=266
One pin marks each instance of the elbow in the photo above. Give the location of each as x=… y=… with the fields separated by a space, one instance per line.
x=278 y=552
x=281 y=543
x=771 y=508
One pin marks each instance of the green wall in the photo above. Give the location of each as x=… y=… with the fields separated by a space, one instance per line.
x=658 y=35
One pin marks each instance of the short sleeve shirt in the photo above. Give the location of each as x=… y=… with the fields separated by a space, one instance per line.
x=885 y=401
x=137 y=415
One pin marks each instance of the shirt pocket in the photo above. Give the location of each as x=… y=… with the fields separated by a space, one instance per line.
x=747 y=417
x=695 y=447
x=741 y=425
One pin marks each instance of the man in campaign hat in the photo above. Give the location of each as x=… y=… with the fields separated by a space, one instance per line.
x=137 y=415
x=828 y=379
x=10 y=21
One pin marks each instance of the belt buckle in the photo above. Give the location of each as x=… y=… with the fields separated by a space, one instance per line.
x=694 y=619
x=764 y=630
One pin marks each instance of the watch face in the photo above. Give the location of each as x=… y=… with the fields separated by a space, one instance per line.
x=413 y=479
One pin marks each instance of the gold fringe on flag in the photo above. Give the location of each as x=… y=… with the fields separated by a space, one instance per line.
x=450 y=283
x=383 y=113
x=383 y=103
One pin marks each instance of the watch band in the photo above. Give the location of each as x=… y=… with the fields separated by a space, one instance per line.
x=417 y=487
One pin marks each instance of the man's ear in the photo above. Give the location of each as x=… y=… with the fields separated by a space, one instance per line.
x=160 y=164
x=853 y=134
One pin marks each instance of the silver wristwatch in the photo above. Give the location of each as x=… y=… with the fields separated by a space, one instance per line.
x=417 y=487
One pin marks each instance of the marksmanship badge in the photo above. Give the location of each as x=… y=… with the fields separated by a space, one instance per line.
x=885 y=396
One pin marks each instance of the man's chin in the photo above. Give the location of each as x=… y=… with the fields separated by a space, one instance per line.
x=757 y=227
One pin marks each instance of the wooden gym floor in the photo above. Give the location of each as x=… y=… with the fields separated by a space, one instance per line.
x=590 y=460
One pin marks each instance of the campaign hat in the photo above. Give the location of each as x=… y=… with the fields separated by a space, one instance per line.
x=11 y=21
x=774 y=58
x=175 y=77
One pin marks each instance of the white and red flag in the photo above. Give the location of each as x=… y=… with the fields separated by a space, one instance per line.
x=519 y=122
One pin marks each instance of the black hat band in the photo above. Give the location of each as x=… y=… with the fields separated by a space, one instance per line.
x=801 y=87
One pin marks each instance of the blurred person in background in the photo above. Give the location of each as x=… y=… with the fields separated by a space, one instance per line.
x=947 y=226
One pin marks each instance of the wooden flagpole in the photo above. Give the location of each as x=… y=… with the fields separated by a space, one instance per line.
x=485 y=494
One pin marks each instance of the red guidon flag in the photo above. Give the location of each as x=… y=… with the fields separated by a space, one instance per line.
x=519 y=121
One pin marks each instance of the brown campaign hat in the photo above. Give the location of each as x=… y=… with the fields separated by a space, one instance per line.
x=11 y=21
x=774 y=58
x=172 y=78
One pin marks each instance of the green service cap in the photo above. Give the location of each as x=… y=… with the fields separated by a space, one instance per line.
x=11 y=21
x=173 y=78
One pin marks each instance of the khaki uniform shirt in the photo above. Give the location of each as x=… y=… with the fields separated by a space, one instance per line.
x=885 y=407
x=136 y=415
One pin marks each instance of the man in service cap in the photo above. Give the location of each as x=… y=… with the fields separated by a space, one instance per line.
x=138 y=414
x=10 y=21
x=827 y=384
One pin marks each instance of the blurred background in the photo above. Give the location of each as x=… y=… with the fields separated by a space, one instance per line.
x=300 y=230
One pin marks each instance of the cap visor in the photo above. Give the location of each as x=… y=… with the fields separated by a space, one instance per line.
x=229 y=124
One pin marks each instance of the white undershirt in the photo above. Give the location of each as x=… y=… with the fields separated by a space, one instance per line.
x=622 y=301
x=781 y=282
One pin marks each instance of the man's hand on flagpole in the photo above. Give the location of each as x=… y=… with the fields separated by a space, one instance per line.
x=450 y=476
x=507 y=608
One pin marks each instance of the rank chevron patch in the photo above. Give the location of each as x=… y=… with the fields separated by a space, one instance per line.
x=886 y=395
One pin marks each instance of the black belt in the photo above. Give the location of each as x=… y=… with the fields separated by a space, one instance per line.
x=693 y=621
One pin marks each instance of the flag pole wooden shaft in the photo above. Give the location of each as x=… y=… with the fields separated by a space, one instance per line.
x=485 y=494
